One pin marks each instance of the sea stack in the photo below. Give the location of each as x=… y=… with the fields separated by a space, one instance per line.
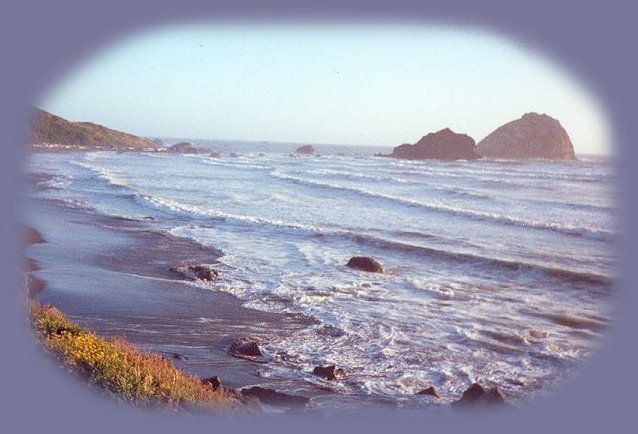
x=443 y=145
x=306 y=150
x=532 y=136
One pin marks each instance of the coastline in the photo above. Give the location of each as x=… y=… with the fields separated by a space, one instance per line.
x=119 y=276
x=112 y=277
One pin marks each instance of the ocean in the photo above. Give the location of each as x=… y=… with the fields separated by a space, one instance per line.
x=500 y=272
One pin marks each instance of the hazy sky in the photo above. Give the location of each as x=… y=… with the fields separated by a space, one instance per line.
x=376 y=85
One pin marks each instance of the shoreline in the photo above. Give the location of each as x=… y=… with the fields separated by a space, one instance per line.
x=191 y=327
x=121 y=276
x=87 y=265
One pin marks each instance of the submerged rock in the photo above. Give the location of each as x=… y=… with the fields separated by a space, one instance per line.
x=329 y=372
x=443 y=145
x=365 y=263
x=477 y=395
x=195 y=272
x=274 y=398
x=532 y=136
x=306 y=150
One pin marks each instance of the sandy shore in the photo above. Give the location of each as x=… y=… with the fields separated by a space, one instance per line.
x=112 y=276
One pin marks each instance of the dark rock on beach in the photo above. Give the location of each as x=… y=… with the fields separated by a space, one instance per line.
x=195 y=272
x=431 y=391
x=532 y=136
x=183 y=148
x=274 y=398
x=329 y=372
x=443 y=145
x=247 y=348
x=365 y=263
x=213 y=382
x=477 y=395
x=306 y=150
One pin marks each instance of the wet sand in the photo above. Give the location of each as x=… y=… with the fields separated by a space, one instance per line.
x=112 y=276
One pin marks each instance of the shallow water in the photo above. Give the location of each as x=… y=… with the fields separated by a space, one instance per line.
x=499 y=272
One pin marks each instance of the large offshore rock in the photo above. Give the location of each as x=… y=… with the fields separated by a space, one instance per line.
x=442 y=145
x=532 y=136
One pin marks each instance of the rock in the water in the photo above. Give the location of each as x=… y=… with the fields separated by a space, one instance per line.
x=183 y=148
x=329 y=372
x=276 y=399
x=473 y=393
x=431 y=391
x=247 y=348
x=213 y=382
x=365 y=263
x=443 y=145
x=234 y=155
x=195 y=272
x=477 y=395
x=532 y=136
x=306 y=150
x=215 y=154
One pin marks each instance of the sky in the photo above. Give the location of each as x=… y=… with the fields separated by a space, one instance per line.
x=323 y=84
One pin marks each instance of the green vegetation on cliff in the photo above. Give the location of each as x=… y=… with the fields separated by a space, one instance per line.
x=45 y=128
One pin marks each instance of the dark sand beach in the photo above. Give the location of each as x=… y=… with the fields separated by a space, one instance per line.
x=112 y=276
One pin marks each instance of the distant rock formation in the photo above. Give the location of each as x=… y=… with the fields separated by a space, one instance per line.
x=532 y=136
x=183 y=148
x=306 y=150
x=443 y=145
x=47 y=130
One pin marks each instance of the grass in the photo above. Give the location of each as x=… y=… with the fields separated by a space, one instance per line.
x=123 y=371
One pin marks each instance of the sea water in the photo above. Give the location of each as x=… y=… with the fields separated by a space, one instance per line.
x=500 y=272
